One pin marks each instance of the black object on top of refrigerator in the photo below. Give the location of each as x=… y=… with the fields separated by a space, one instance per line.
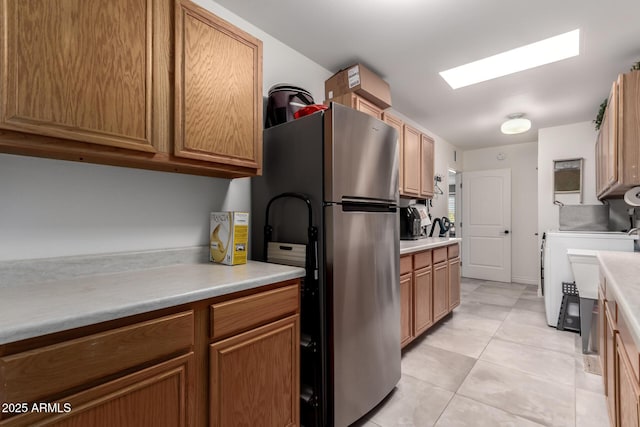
x=346 y=163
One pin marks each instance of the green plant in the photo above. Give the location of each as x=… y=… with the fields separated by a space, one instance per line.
x=603 y=107
x=635 y=66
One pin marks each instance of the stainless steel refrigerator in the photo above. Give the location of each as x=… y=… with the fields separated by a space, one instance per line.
x=346 y=163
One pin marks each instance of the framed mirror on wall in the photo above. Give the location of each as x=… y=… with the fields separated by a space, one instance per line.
x=567 y=178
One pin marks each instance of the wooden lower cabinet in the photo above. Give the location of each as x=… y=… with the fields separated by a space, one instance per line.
x=157 y=396
x=406 y=309
x=454 y=283
x=628 y=391
x=423 y=296
x=602 y=337
x=611 y=373
x=440 y=291
x=255 y=378
x=164 y=369
x=428 y=291
x=619 y=360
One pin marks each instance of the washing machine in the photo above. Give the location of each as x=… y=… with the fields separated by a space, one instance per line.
x=555 y=262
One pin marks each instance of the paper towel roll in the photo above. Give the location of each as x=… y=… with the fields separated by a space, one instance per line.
x=632 y=197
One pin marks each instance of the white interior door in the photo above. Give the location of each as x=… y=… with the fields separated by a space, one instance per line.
x=486 y=225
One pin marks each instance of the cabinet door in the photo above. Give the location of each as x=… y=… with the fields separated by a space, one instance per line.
x=628 y=390
x=454 y=283
x=602 y=338
x=426 y=166
x=610 y=385
x=440 y=290
x=411 y=159
x=156 y=396
x=255 y=378
x=406 y=309
x=218 y=89
x=79 y=70
x=599 y=169
x=611 y=130
x=396 y=123
x=423 y=307
x=367 y=107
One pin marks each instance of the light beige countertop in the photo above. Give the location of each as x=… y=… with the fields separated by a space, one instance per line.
x=622 y=270
x=32 y=306
x=411 y=246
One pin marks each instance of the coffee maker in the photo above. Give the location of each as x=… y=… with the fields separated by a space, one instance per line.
x=425 y=219
x=410 y=221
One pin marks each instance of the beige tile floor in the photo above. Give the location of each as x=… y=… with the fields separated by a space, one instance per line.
x=494 y=362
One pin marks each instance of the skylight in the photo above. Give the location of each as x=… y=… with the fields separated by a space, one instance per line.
x=533 y=55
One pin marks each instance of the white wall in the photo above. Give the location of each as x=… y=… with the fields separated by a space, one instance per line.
x=55 y=208
x=558 y=143
x=521 y=159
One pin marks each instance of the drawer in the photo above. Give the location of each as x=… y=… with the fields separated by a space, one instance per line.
x=629 y=345
x=406 y=264
x=422 y=259
x=439 y=254
x=453 y=251
x=36 y=374
x=241 y=314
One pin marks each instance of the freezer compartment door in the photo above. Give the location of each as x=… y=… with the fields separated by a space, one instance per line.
x=363 y=284
x=361 y=156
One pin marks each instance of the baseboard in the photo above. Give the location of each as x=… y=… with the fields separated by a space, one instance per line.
x=525 y=280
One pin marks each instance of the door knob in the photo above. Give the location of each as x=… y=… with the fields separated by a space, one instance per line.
x=506 y=231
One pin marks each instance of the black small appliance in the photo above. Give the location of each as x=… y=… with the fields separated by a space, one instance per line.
x=409 y=223
x=284 y=100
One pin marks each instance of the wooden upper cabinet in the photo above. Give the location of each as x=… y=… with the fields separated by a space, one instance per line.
x=396 y=123
x=358 y=103
x=367 y=107
x=426 y=166
x=79 y=70
x=610 y=130
x=618 y=147
x=218 y=89
x=411 y=159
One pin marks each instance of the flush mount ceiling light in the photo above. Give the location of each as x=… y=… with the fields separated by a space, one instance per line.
x=533 y=55
x=516 y=124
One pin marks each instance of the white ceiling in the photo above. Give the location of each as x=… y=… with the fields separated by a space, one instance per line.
x=408 y=42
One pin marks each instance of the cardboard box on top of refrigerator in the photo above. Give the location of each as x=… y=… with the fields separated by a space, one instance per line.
x=362 y=81
x=229 y=237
